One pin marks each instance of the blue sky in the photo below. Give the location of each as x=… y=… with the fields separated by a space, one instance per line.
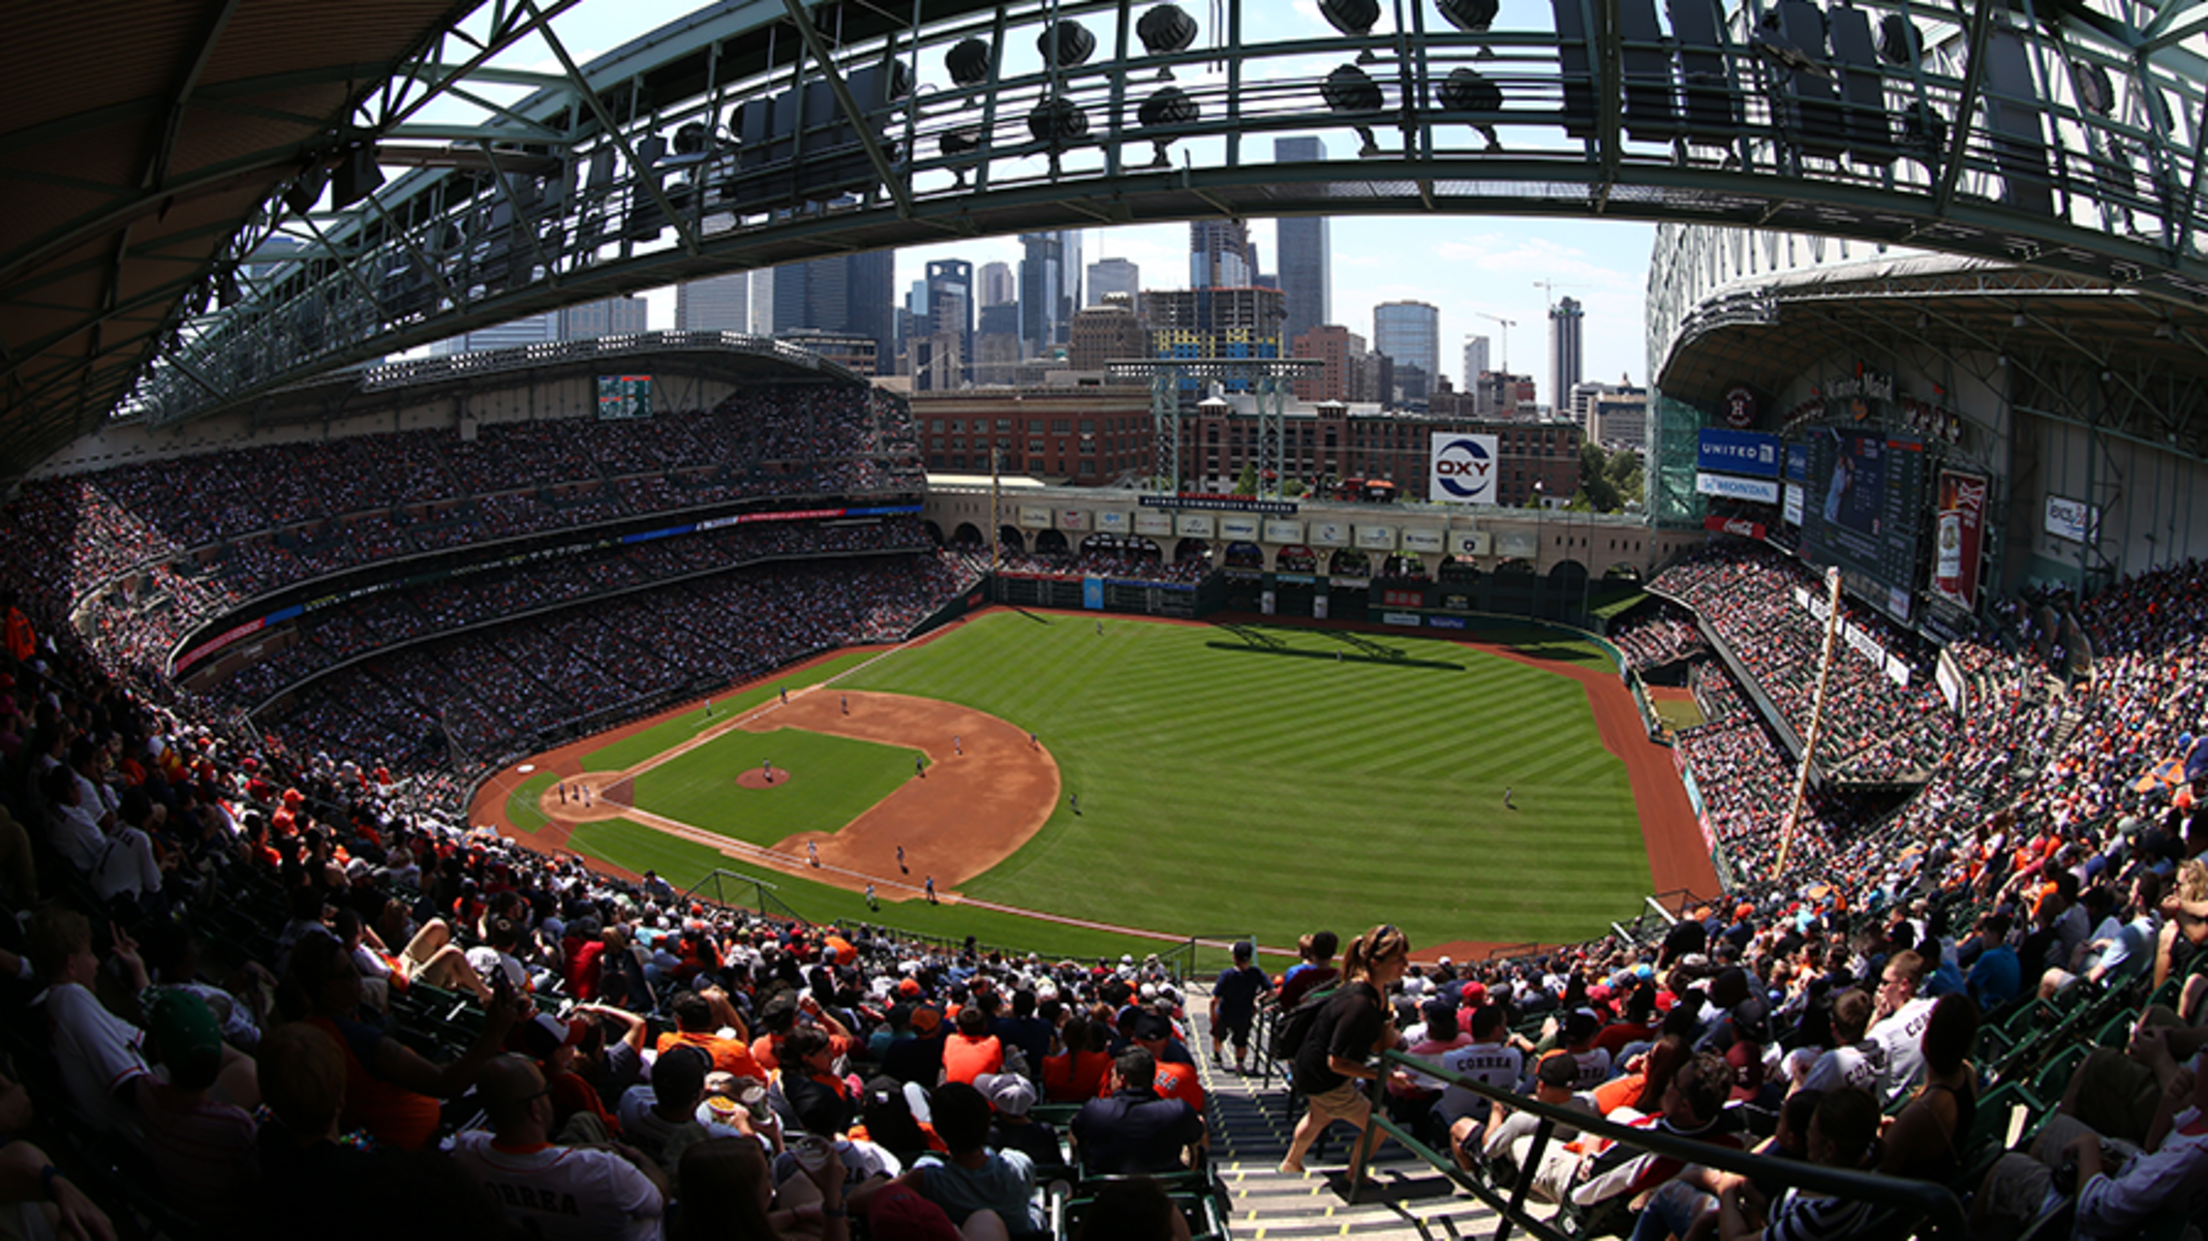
x=1468 y=266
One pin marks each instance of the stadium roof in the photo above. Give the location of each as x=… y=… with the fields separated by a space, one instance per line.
x=1763 y=331
x=138 y=139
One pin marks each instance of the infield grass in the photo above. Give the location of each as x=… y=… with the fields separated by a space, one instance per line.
x=1243 y=779
x=838 y=779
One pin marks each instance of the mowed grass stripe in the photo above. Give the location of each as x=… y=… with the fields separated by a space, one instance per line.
x=1279 y=792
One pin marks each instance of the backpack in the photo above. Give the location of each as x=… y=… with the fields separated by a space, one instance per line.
x=1293 y=1027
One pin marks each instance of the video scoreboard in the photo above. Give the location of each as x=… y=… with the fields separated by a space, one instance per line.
x=1864 y=509
x=624 y=396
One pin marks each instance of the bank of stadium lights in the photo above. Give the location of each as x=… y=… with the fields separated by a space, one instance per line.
x=1354 y=18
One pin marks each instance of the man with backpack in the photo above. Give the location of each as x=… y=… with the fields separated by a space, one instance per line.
x=1334 y=1056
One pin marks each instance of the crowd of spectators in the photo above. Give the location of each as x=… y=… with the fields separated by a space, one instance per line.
x=212 y=530
x=489 y=693
x=1114 y=563
x=1874 y=728
x=312 y=998
x=331 y=636
x=2052 y=850
x=1658 y=635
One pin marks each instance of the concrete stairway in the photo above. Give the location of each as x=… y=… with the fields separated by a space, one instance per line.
x=1250 y=1126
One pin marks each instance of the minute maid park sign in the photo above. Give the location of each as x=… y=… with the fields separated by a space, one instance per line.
x=1462 y=468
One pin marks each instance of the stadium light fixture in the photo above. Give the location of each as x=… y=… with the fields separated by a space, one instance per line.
x=1351 y=90
x=1466 y=90
x=1354 y=18
x=968 y=62
x=1065 y=44
x=1470 y=16
x=1164 y=30
x=1168 y=107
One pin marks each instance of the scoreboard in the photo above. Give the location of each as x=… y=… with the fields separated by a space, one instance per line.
x=1865 y=509
x=624 y=396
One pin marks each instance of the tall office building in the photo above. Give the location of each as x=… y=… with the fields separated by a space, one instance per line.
x=1220 y=255
x=534 y=330
x=1306 y=256
x=718 y=304
x=1566 y=351
x=1109 y=276
x=612 y=316
x=852 y=293
x=997 y=285
x=1475 y=361
x=1050 y=288
x=1409 y=334
x=950 y=308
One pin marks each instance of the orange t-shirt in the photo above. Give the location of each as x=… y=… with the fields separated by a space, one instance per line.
x=729 y=1055
x=966 y=1058
x=391 y=1112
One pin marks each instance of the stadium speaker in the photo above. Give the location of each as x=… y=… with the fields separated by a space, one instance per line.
x=1170 y=106
x=1164 y=30
x=356 y=178
x=1069 y=41
x=306 y=190
x=1470 y=16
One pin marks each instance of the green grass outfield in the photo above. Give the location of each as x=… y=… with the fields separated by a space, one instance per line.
x=1245 y=780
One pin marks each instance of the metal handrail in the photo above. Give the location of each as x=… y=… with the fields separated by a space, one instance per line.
x=1919 y=1198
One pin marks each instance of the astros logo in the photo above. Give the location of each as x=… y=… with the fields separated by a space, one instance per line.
x=1465 y=469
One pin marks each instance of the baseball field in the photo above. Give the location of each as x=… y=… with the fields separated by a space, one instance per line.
x=1067 y=781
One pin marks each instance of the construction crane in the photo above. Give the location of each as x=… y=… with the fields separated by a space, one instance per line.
x=1507 y=325
x=1549 y=288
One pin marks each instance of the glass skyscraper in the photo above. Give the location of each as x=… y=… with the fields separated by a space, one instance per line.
x=1306 y=255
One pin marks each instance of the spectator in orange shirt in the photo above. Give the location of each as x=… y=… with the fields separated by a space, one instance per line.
x=971 y=1050
x=699 y=1018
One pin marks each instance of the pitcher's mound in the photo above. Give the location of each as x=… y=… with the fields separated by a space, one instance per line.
x=754 y=779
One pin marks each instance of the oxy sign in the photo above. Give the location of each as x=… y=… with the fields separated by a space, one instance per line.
x=1463 y=468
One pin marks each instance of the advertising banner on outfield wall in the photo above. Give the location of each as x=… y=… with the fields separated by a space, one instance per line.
x=1287 y=532
x=1461 y=469
x=1400 y=618
x=2074 y=520
x=1376 y=538
x=1329 y=534
x=1195 y=525
x=1236 y=526
x=1426 y=541
x=1034 y=517
x=1471 y=543
x=1113 y=523
x=1959 y=538
x=1073 y=519
x=1148 y=522
x=1517 y=543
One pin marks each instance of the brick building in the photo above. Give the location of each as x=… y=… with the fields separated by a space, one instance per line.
x=1328 y=441
x=1086 y=437
x=1106 y=333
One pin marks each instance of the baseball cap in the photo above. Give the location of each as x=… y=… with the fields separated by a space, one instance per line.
x=1009 y=1093
x=926 y=1018
x=188 y=1035
x=909 y=987
x=1150 y=1026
